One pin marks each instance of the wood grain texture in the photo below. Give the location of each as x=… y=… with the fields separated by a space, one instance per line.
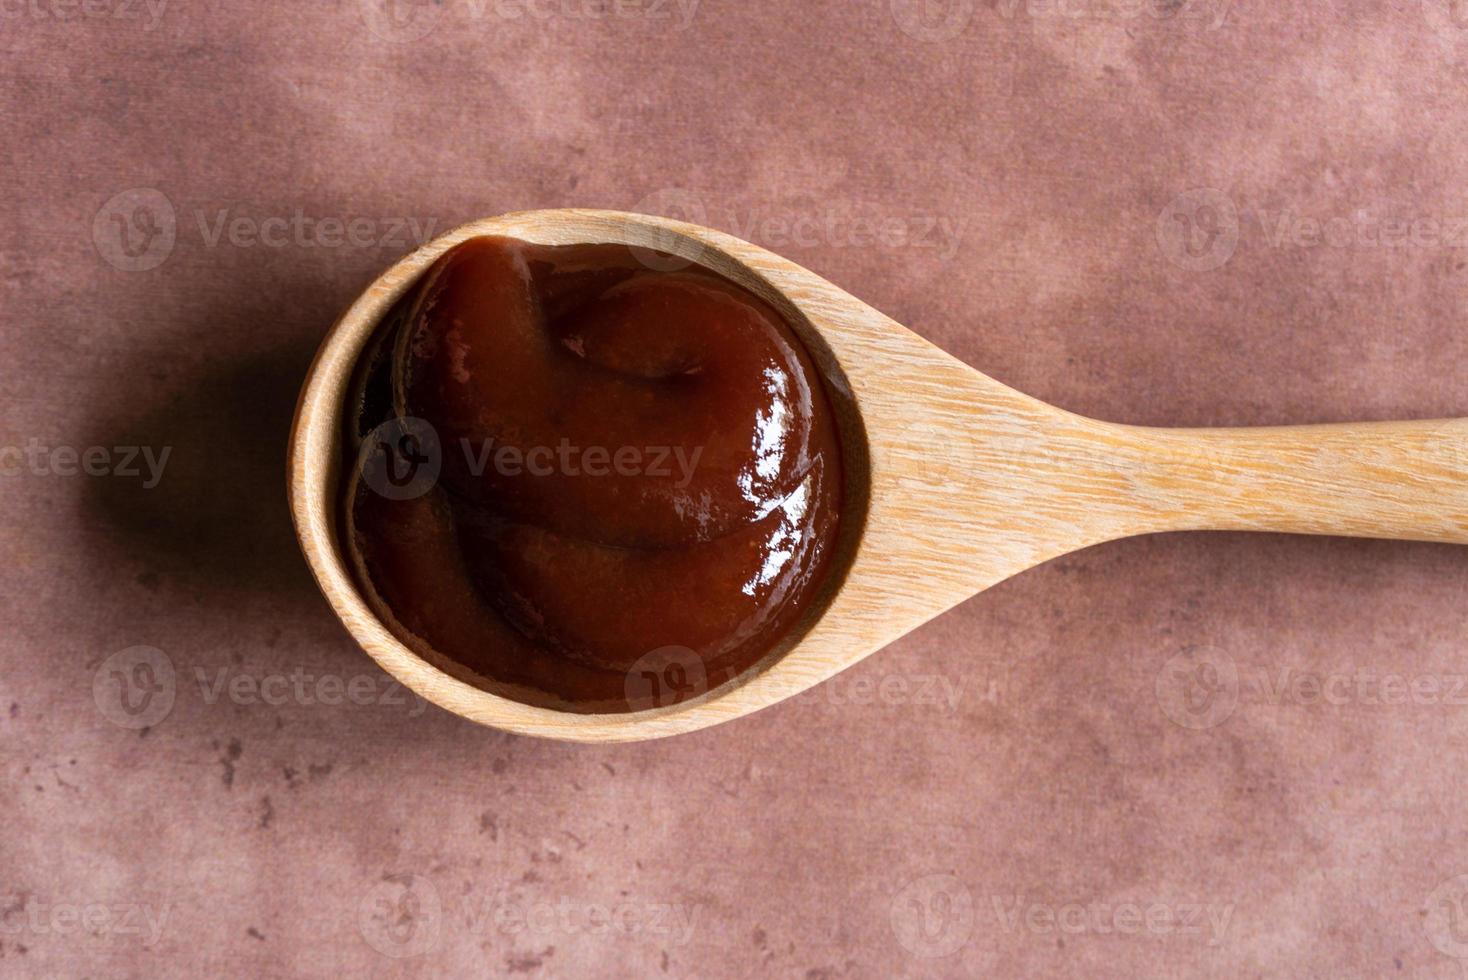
x=964 y=482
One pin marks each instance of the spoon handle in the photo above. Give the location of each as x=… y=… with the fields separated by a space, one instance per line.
x=1404 y=480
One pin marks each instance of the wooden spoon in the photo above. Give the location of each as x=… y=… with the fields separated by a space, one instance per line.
x=955 y=482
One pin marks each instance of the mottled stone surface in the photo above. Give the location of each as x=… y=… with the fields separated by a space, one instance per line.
x=1182 y=213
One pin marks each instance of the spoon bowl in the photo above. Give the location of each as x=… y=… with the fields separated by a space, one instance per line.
x=954 y=481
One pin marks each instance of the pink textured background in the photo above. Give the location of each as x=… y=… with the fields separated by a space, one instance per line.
x=823 y=838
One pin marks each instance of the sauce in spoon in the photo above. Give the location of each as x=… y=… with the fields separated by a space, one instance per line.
x=601 y=486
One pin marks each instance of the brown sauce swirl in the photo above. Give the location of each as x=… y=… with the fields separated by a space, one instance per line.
x=595 y=485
